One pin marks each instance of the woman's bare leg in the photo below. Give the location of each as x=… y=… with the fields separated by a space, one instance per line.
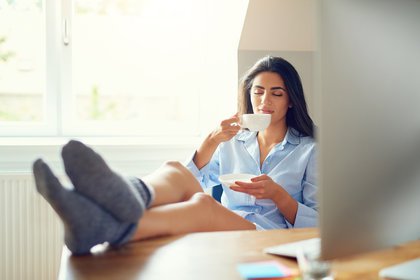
x=172 y=182
x=200 y=213
x=180 y=206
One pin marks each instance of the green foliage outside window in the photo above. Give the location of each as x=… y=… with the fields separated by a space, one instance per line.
x=4 y=55
x=98 y=112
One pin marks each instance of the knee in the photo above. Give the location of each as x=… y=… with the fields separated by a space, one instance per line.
x=207 y=206
x=203 y=200
x=179 y=169
x=174 y=164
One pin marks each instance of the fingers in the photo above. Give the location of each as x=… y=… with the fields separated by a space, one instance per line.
x=231 y=125
x=261 y=187
x=260 y=178
x=230 y=131
x=257 y=189
x=229 y=128
x=231 y=120
x=249 y=185
x=249 y=188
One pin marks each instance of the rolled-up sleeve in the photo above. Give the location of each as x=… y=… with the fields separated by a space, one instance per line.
x=307 y=213
x=208 y=176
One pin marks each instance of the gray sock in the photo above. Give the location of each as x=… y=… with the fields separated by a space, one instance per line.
x=85 y=223
x=125 y=198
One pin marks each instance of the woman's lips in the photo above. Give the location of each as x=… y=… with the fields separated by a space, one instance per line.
x=266 y=111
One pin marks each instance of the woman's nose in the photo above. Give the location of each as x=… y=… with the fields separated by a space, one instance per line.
x=265 y=99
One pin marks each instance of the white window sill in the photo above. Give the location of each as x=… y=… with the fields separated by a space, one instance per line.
x=131 y=155
x=163 y=141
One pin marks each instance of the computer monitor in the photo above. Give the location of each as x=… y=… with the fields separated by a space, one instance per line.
x=369 y=131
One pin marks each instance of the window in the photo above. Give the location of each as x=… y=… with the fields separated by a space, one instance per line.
x=116 y=67
x=22 y=65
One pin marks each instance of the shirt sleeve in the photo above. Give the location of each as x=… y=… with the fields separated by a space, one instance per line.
x=208 y=176
x=307 y=213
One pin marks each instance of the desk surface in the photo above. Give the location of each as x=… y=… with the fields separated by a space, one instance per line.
x=215 y=256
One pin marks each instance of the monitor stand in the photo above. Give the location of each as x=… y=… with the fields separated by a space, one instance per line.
x=405 y=270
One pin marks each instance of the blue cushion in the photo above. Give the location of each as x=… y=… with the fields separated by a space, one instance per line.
x=217 y=192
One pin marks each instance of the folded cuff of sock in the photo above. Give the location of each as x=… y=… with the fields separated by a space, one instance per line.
x=145 y=191
x=151 y=192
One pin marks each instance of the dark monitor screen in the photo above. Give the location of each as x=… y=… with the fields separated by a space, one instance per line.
x=369 y=132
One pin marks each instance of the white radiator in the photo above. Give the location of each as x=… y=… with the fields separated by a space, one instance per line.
x=31 y=235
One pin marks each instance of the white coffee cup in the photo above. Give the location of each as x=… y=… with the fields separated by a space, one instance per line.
x=255 y=122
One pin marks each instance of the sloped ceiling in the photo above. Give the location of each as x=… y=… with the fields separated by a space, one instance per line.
x=279 y=25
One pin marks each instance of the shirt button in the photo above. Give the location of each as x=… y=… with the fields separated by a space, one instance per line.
x=281 y=148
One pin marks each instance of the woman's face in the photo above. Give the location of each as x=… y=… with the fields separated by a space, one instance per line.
x=269 y=96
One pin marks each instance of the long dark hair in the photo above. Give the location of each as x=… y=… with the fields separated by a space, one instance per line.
x=297 y=117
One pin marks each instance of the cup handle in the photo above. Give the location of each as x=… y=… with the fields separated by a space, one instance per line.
x=238 y=123
x=243 y=127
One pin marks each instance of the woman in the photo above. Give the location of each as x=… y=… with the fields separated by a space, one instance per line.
x=105 y=207
x=282 y=156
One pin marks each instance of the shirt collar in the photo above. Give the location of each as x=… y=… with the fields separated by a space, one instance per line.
x=292 y=136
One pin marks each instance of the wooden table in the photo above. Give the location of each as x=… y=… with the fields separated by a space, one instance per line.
x=215 y=256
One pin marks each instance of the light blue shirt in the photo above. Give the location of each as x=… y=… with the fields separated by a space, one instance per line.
x=291 y=164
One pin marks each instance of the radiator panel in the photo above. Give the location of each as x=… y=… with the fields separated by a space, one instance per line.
x=31 y=234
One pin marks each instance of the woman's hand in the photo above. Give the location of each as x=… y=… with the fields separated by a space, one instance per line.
x=227 y=130
x=262 y=187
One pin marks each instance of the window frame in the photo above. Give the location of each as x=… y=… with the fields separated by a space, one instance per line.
x=57 y=120
x=48 y=126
